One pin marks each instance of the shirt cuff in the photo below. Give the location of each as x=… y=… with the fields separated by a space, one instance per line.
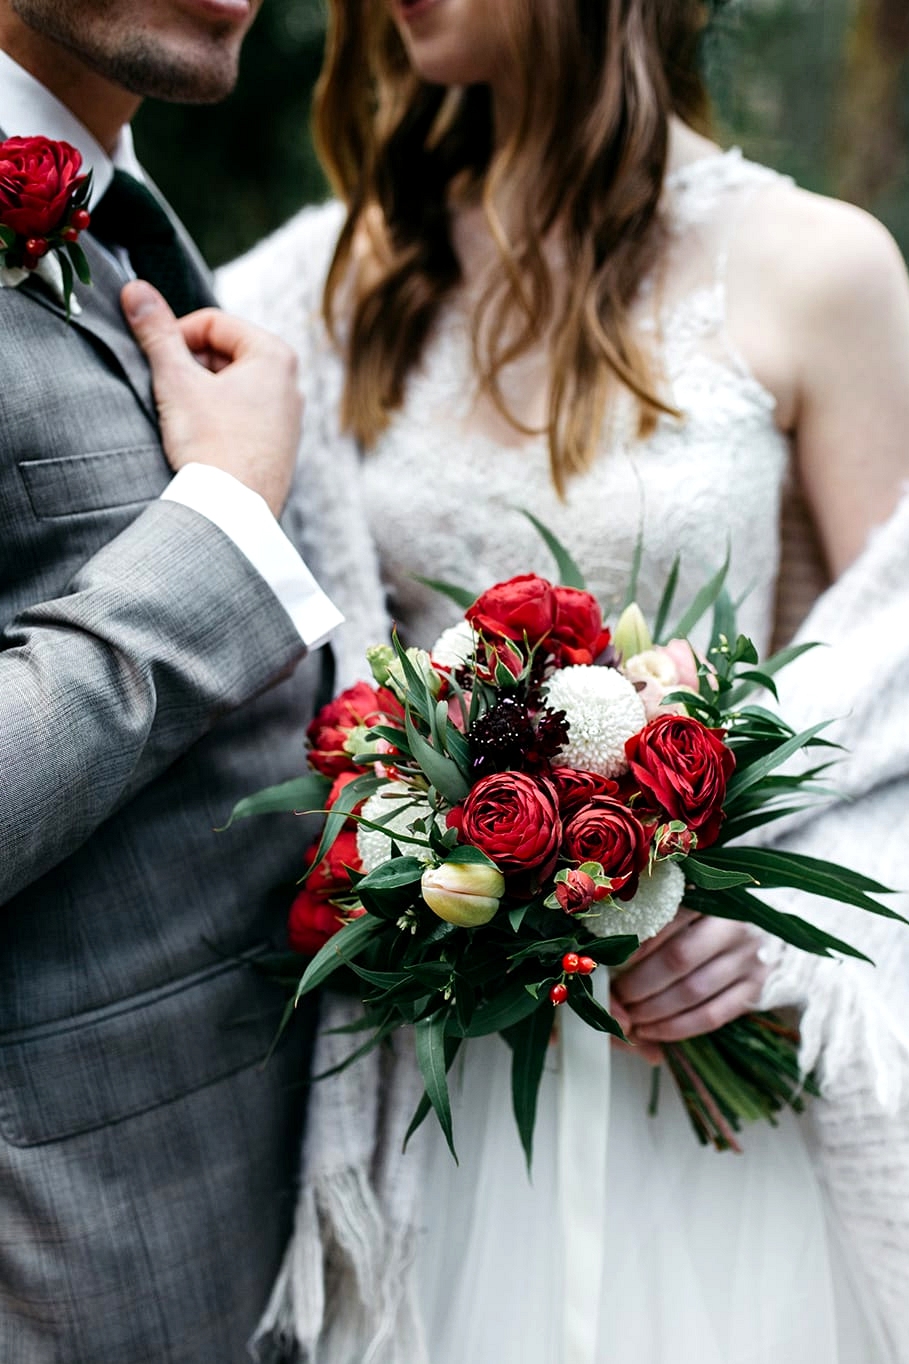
x=245 y=519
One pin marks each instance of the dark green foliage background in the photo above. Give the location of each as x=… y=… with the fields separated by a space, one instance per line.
x=776 y=67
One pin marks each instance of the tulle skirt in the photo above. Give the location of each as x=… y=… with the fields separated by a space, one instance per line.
x=630 y=1243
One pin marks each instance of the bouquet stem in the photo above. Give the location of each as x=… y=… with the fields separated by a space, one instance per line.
x=746 y=1071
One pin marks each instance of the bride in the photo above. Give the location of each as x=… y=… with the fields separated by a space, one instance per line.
x=545 y=286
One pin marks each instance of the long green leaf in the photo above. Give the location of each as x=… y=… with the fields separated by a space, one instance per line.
x=581 y=1000
x=429 y=1036
x=361 y=788
x=742 y=780
x=529 y=1042
x=300 y=793
x=346 y=944
x=744 y=907
x=665 y=606
x=510 y=1006
x=772 y=666
x=459 y=595
x=631 y=589
x=713 y=878
x=702 y=602
x=773 y=867
x=569 y=573
x=442 y=772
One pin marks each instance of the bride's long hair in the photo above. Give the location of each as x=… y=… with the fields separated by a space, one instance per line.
x=587 y=154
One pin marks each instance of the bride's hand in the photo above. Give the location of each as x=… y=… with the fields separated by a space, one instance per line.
x=694 y=976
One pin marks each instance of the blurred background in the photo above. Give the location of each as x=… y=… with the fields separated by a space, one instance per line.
x=818 y=88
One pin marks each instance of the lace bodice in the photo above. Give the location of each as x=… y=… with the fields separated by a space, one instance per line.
x=442 y=492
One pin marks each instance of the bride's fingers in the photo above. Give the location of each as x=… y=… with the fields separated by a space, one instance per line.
x=645 y=1050
x=687 y=949
x=683 y=920
x=717 y=975
x=707 y=1017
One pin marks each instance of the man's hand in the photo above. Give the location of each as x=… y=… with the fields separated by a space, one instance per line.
x=226 y=391
x=691 y=978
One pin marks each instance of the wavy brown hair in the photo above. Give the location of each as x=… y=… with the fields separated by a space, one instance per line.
x=585 y=159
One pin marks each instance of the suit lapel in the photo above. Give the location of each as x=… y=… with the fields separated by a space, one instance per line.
x=102 y=319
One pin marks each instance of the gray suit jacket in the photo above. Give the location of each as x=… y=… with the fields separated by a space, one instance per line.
x=147 y=681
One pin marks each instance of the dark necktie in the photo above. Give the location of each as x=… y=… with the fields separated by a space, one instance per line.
x=131 y=216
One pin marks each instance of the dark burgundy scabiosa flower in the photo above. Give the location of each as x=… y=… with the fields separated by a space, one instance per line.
x=511 y=736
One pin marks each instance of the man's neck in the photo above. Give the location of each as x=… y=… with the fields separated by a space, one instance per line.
x=104 y=108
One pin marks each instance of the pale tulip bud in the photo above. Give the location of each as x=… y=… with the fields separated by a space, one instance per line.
x=631 y=635
x=463 y=893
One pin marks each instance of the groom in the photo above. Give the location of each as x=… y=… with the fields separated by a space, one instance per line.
x=151 y=631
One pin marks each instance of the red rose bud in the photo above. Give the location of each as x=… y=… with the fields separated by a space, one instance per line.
x=558 y=994
x=513 y=819
x=683 y=767
x=463 y=893
x=577 y=892
x=606 y=831
x=37 y=179
x=672 y=841
x=359 y=707
x=523 y=608
x=578 y=635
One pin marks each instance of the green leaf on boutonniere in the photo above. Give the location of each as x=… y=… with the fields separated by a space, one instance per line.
x=80 y=262
x=7 y=237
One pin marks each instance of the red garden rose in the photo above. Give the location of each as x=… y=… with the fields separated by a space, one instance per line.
x=574 y=788
x=360 y=706
x=521 y=608
x=606 y=831
x=314 y=913
x=683 y=767
x=513 y=819
x=37 y=178
x=578 y=636
x=313 y=920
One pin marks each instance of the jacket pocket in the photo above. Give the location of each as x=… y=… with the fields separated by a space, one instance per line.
x=74 y=484
x=97 y=1068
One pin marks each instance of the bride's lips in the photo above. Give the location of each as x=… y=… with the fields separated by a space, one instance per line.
x=412 y=9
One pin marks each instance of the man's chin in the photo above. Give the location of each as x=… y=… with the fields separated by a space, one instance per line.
x=145 y=69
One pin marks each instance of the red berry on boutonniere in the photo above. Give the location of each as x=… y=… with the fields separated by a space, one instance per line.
x=43 y=198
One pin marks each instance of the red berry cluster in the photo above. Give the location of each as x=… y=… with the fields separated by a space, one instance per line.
x=36 y=247
x=572 y=965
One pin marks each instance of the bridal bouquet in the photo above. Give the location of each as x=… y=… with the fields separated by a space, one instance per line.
x=516 y=810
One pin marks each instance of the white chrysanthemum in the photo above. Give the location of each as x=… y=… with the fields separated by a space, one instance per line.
x=652 y=907
x=397 y=807
x=455 y=646
x=602 y=710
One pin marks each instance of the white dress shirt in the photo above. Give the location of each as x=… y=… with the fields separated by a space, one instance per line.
x=28 y=109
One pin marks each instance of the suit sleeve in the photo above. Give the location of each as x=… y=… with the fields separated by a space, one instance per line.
x=163 y=631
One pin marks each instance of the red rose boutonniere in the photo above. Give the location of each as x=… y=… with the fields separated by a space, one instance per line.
x=43 y=199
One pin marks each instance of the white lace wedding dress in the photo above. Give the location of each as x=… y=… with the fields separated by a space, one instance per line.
x=630 y=1243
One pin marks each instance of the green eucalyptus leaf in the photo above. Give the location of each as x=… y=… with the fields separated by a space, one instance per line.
x=444 y=774
x=702 y=602
x=306 y=793
x=712 y=878
x=665 y=606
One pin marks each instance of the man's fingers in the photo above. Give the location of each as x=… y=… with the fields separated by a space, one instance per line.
x=155 y=328
x=213 y=332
